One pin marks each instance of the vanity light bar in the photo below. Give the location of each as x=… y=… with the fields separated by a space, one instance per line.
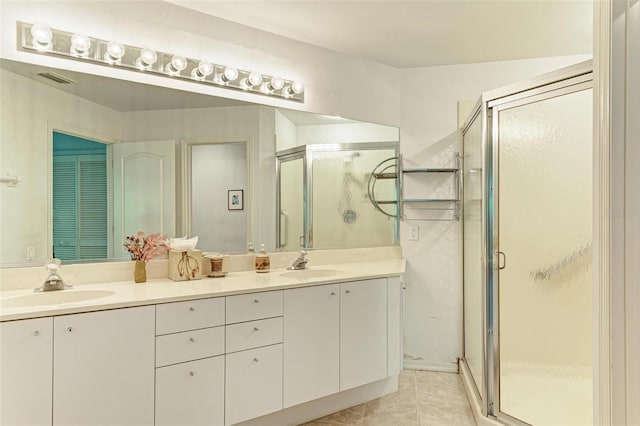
x=41 y=39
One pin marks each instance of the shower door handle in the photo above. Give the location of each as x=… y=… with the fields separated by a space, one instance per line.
x=504 y=260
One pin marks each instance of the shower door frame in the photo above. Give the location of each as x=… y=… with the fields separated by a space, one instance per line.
x=306 y=153
x=479 y=111
x=557 y=83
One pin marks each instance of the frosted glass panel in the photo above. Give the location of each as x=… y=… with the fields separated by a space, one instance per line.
x=343 y=216
x=292 y=204
x=473 y=271
x=545 y=232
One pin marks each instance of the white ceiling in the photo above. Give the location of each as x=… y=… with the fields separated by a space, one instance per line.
x=420 y=33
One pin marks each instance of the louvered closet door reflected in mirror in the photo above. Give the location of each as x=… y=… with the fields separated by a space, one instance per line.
x=80 y=197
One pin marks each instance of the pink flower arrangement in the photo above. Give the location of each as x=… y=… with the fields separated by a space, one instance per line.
x=145 y=248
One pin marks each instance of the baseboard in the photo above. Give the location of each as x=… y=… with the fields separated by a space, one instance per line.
x=420 y=365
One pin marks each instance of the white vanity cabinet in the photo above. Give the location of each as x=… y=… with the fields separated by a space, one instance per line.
x=103 y=368
x=26 y=370
x=190 y=347
x=336 y=337
x=312 y=343
x=191 y=393
x=363 y=332
x=253 y=385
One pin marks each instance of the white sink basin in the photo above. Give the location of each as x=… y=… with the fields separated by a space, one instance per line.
x=303 y=274
x=58 y=297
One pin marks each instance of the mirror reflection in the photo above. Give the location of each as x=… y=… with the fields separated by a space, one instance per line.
x=102 y=158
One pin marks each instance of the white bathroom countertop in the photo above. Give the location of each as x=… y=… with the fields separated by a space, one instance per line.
x=163 y=290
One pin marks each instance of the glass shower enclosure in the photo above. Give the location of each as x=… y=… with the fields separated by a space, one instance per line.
x=527 y=232
x=325 y=194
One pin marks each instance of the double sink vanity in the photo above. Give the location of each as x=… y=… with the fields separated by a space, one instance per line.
x=284 y=347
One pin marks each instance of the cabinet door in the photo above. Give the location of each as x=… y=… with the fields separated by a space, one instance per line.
x=104 y=368
x=191 y=393
x=311 y=343
x=26 y=372
x=253 y=383
x=363 y=332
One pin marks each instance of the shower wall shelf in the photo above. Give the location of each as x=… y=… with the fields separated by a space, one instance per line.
x=428 y=203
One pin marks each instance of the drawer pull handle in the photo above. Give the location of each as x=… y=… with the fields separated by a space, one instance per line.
x=36 y=333
x=69 y=329
x=256 y=301
x=191 y=339
x=191 y=373
x=256 y=329
x=256 y=360
x=192 y=309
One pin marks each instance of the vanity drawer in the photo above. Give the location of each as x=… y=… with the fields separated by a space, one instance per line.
x=253 y=334
x=253 y=306
x=189 y=315
x=189 y=345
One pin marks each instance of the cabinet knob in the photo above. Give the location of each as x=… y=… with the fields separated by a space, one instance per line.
x=192 y=309
x=36 y=333
x=333 y=293
x=191 y=339
x=256 y=301
x=69 y=329
x=256 y=329
x=191 y=373
x=256 y=360
x=348 y=291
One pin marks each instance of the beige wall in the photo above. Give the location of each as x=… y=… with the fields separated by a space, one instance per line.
x=28 y=113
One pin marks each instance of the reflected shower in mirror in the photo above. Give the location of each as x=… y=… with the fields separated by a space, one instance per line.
x=171 y=159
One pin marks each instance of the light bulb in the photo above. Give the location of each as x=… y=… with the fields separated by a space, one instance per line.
x=178 y=63
x=255 y=78
x=80 y=45
x=147 y=58
x=296 y=88
x=276 y=83
x=115 y=52
x=42 y=37
x=204 y=69
x=230 y=74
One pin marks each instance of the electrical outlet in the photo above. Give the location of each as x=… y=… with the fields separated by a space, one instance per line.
x=414 y=233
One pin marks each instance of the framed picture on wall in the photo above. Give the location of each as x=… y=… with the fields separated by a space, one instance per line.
x=236 y=199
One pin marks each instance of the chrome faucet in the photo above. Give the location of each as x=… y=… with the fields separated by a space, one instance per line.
x=54 y=281
x=300 y=262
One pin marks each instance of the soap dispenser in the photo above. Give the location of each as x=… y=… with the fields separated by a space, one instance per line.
x=263 y=264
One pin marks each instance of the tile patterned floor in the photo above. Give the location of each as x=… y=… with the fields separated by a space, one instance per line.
x=424 y=398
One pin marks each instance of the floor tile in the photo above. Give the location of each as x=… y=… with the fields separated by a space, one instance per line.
x=348 y=416
x=424 y=398
x=437 y=416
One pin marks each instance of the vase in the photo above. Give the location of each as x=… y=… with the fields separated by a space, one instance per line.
x=140 y=272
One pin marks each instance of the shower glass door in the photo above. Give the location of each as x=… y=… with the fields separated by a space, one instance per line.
x=542 y=156
x=291 y=193
x=342 y=213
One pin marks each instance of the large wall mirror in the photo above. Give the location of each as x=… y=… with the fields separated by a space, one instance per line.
x=101 y=158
